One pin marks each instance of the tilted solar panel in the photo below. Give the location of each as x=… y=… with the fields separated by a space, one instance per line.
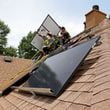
x=51 y=25
x=48 y=25
x=54 y=73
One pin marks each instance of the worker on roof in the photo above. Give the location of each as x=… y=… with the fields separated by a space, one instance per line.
x=64 y=36
x=48 y=43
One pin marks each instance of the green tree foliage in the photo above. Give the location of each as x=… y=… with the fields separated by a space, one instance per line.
x=11 y=51
x=25 y=49
x=4 y=30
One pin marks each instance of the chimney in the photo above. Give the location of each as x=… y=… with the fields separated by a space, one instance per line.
x=94 y=17
x=95 y=7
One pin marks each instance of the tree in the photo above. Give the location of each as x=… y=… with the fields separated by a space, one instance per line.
x=25 y=49
x=11 y=51
x=4 y=30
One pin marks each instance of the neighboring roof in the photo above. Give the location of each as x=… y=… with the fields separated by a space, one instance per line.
x=88 y=90
x=11 y=71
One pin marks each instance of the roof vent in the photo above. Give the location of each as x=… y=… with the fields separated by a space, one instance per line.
x=95 y=7
x=8 y=59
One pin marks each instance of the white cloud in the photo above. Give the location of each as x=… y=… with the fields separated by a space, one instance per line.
x=74 y=27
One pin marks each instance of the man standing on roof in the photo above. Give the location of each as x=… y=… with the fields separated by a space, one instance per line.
x=64 y=36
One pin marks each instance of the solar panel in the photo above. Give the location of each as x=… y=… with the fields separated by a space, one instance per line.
x=48 y=25
x=52 y=76
x=51 y=25
x=37 y=42
x=42 y=31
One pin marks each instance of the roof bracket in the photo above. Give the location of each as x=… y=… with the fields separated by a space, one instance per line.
x=33 y=95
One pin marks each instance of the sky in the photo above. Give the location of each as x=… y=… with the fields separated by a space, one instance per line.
x=23 y=16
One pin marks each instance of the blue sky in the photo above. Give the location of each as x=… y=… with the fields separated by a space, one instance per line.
x=23 y=16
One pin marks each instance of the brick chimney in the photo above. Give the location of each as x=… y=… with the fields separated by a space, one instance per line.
x=94 y=17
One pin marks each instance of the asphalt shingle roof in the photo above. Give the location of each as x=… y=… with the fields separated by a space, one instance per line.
x=11 y=71
x=88 y=90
